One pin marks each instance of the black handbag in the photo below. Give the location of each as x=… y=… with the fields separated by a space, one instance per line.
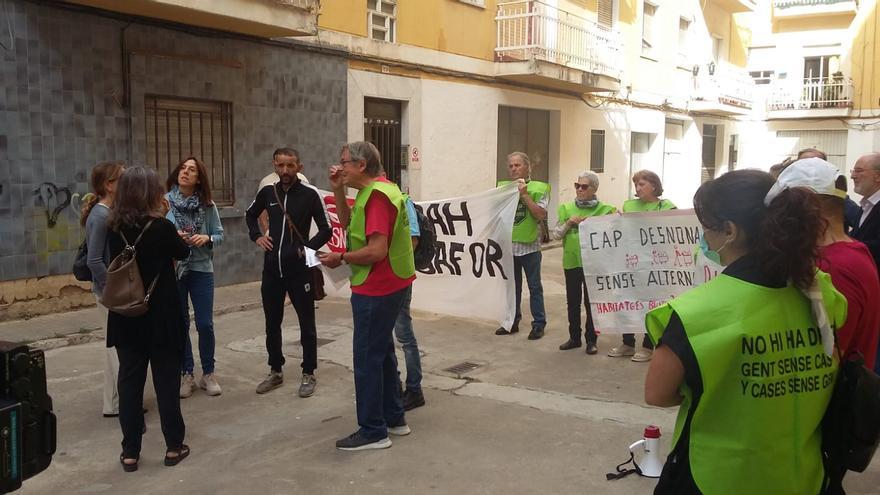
x=80 y=264
x=851 y=425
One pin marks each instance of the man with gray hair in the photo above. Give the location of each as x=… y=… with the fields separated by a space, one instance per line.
x=380 y=254
x=530 y=212
x=585 y=205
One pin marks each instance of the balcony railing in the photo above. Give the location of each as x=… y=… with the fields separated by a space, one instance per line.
x=813 y=93
x=530 y=29
x=783 y=4
x=725 y=84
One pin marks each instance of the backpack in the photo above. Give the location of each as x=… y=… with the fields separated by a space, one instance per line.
x=850 y=428
x=124 y=291
x=80 y=264
x=424 y=252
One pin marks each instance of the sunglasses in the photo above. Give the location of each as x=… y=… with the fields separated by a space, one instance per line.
x=578 y=185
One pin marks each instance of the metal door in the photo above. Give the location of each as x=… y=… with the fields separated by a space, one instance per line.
x=382 y=128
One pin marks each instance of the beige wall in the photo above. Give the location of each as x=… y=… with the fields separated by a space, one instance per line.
x=38 y=296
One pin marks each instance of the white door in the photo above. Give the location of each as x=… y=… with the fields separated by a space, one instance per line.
x=831 y=142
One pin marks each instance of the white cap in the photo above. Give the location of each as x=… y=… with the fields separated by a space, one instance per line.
x=812 y=173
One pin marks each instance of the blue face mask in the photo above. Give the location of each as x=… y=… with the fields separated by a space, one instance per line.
x=713 y=256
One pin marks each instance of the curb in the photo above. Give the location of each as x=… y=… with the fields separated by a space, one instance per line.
x=79 y=337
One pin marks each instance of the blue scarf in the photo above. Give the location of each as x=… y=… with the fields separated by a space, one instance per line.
x=189 y=215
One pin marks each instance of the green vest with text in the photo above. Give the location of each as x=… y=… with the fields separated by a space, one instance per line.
x=636 y=205
x=571 y=243
x=756 y=427
x=400 y=250
x=525 y=227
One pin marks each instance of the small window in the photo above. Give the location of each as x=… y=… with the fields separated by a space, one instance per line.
x=179 y=127
x=684 y=32
x=762 y=76
x=597 y=151
x=382 y=19
x=710 y=141
x=648 y=41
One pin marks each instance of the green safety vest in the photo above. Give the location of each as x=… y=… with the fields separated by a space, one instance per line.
x=571 y=243
x=636 y=205
x=400 y=251
x=766 y=384
x=525 y=227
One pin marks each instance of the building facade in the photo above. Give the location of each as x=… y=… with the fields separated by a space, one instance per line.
x=149 y=85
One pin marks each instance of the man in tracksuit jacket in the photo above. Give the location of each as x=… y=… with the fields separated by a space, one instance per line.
x=284 y=266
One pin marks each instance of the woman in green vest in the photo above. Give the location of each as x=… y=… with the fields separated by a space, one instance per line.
x=648 y=191
x=748 y=356
x=571 y=215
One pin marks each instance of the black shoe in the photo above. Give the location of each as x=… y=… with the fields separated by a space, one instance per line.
x=591 y=348
x=502 y=331
x=569 y=344
x=536 y=333
x=412 y=400
x=513 y=329
x=357 y=442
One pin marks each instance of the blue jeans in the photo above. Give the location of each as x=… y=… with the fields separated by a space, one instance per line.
x=531 y=264
x=198 y=286
x=403 y=330
x=375 y=364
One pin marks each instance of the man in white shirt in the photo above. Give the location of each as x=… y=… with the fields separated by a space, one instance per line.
x=866 y=179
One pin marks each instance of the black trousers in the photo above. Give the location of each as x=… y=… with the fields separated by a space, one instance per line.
x=575 y=290
x=165 y=364
x=630 y=340
x=273 y=290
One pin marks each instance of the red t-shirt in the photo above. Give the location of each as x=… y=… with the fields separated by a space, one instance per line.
x=854 y=274
x=380 y=218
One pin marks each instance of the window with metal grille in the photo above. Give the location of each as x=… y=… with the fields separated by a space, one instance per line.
x=179 y=127
x=710 y=141
x=597 y=150
x=382 y=19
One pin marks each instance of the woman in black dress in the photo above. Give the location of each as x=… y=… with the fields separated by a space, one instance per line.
x=156 y=337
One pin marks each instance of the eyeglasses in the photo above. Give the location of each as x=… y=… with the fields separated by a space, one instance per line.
x=578 y=185
x=343 y=162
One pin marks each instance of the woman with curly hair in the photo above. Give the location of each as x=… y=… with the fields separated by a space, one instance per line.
x=198 y=223
x=95 y=211
x=748 y=355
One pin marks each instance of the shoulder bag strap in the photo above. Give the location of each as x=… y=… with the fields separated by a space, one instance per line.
x=290 y=224
x=127 y=244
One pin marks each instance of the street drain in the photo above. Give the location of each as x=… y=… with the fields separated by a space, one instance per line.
x=462 y=368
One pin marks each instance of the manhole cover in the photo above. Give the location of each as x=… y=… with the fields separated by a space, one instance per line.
x=321 y=342
x=462 y=368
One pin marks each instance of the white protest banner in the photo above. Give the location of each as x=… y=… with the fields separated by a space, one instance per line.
x=472 y=272
x=636 y=262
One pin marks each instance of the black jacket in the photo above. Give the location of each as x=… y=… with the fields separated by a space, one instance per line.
x=869 y=233
x=303 y=204
x=162 y=325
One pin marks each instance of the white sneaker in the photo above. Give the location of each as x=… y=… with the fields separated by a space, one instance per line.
x=643 y=356
x=209 y=384
x=187 y=383
x=621 y=351
x=399 y=431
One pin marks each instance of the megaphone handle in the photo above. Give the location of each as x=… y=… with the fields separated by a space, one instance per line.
x=636 y=444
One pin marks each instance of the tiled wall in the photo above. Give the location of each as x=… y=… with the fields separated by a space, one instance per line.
x=63 y=108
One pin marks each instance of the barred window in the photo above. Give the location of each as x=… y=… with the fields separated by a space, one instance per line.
x=597 y=151
x=181 y=127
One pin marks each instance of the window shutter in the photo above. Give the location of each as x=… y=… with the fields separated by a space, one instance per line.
x=606 y=10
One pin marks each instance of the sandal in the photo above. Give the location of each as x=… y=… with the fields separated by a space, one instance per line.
x=129 y=467
x=182 y=452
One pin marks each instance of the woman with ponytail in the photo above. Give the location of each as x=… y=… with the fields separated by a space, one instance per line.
x=748 y=355
x=95 y=212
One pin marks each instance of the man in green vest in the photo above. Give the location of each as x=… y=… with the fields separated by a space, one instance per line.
x=531 y=210
x=380 y=254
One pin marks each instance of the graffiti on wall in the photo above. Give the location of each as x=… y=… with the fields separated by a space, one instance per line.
x=54 y=199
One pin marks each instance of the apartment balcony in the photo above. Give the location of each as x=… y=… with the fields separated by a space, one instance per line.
x=736 y=6
x=787 y=9
x=723 y=89
x=542 y=45
x=261 y=18
x=811 y=97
